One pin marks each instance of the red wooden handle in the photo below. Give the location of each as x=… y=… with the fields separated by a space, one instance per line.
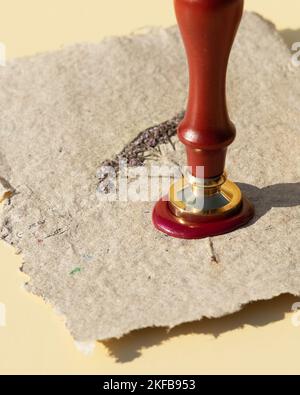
x=208 y=29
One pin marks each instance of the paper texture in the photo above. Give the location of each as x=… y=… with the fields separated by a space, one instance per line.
x=103 y=265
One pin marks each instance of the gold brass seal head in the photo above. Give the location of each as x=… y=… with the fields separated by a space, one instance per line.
x=193 y=198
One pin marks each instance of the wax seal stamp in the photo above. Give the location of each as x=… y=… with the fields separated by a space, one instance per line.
x=205 y=202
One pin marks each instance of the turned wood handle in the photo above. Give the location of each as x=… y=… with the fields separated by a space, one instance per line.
x=208 y=29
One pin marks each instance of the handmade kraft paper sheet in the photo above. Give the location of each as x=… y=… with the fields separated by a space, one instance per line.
x=102 y=265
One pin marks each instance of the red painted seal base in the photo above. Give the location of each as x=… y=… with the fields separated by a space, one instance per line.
x=173 y=226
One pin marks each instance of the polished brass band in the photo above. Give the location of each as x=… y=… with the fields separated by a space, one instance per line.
x=205 y=182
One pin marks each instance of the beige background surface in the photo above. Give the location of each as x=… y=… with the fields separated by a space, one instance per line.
x=259 y=339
